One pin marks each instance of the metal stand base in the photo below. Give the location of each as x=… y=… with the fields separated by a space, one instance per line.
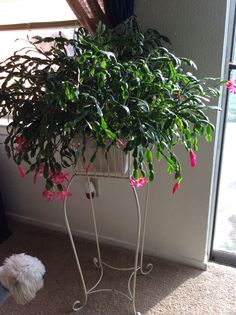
x=99 y=263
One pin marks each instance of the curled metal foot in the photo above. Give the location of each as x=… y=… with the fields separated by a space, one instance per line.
x=77 y=306
x=148 y=269
x=96 y=262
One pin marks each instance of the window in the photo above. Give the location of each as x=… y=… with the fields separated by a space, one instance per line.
x=29 y=11
x=224 y=243
x=22 y=18
x=19 y=18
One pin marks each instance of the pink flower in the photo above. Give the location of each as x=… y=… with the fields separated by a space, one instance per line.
x=61 y=195
x=41 y=168
x=59 y=178
x=21 y=171
x=231 y=86
x=20 y=139
x=176 y=186
x=179 y=97
x=139 y=183
x=192 y=158
x=21 y=143
x=121 y=143
x=48 y=194
x=87 y=169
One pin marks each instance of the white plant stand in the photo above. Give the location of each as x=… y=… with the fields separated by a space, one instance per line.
x=112 y=171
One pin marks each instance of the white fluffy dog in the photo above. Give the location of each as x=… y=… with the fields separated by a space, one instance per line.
x=22 y=275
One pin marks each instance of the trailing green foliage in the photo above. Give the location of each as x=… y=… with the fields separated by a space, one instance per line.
x=110 y=88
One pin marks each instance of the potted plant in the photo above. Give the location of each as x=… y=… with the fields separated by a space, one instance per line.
x=124 y=91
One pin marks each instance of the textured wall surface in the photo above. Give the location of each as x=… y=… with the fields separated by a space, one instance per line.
x=177 y=225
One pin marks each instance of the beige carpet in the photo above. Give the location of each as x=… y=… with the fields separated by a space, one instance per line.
x=171 y=289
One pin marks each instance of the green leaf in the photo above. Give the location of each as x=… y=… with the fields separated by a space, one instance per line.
x=158 y=155
x=170 y=169
x=103 y=124
x=108 y=132
x=49 y=184
x=136 y=174
x=135 y=164
x=8 y=151
x=208 y=137
x=93 y=156
x=38 y=39
x=151 y=176
x=124 y=89
x=45 y=170
x=149 y=157
x=60 y=187
x=57 y=167
x=103 y=64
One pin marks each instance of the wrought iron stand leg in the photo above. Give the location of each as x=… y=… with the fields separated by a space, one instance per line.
x=77 y=305
x=97 y=261
x=149 y=266
x=137 y=251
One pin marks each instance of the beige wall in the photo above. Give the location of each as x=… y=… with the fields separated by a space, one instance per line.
x=177 y=225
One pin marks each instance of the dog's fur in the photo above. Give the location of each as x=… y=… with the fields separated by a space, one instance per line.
x=22 y=275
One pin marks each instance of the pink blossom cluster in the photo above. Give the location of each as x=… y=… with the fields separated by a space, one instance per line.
x=21 y=144
x=231 y=86
x=60 y=195
x=138 y=183
x=57 y=178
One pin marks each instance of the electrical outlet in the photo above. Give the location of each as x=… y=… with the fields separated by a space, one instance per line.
x=94 y=180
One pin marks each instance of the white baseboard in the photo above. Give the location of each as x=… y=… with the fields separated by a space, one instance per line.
x=111 y=241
